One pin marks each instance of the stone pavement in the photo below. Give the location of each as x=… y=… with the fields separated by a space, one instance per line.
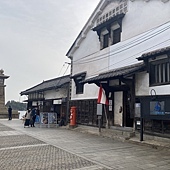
x=152 y=141
x=62 y=149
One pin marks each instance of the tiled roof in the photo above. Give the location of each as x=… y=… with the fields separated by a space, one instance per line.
x=47 y=85
x=155 y=52
x=123 y=71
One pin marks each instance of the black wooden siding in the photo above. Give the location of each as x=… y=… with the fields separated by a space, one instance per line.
x=86 y=111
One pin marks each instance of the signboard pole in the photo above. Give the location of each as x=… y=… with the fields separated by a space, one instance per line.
x=99 y=121
x=141 y=124
x=141 y=129
x=99 y=115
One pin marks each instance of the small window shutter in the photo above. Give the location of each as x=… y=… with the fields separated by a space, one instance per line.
x=116 y=36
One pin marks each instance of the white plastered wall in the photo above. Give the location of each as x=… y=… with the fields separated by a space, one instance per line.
x=81 y=63
x=55 y=94
x=142 y=86
x=143 y=16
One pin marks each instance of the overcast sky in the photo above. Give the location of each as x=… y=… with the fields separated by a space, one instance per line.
x=35 y=36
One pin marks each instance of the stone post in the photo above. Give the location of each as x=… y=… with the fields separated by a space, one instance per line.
x=3 y=109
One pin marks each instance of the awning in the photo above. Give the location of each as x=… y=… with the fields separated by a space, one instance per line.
x=116 y=73
x=154 y=53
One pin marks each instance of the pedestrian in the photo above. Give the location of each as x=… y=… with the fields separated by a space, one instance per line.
x=9 y=113
x=27 y=118
x=37 y=118
x=62 y=120
x=33 y=117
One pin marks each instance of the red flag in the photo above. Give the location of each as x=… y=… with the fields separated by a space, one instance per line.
x=102 y=96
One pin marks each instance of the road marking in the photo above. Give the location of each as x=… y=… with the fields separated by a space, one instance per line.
x=25 y=146
x=10 y=133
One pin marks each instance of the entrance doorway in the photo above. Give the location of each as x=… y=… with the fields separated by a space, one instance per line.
x=127 y=114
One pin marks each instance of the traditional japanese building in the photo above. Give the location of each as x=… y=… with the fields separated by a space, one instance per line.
x=49 y=96
x=106 y=51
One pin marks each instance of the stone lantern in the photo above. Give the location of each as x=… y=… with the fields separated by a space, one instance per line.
x=3 y=109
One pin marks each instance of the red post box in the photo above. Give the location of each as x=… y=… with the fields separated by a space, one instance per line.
x=73 y=116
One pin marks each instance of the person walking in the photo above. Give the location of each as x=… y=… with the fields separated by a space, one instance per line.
x=9 y=113
x=33 y=117
x=27 y=118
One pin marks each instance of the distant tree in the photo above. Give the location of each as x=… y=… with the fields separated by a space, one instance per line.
x=17 y=105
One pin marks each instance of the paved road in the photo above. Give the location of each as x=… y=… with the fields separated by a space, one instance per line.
x=62 y=149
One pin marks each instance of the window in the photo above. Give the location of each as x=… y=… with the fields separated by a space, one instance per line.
x=115 y=33
x=116 y=36
x=105 y=40
x=77 y=79
x=160 y=72
x=109 y=31
x=79 y=88
x=110 y=37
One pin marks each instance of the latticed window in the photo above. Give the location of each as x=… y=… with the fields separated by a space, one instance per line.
x=160 y=72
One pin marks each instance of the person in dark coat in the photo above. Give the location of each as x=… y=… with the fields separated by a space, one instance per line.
x=33 y=117
x=9 y=113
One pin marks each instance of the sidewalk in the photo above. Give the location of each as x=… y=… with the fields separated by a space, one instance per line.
x=152 y=141
x=63 y=149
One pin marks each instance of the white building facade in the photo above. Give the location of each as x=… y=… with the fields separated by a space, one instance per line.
x=106 y=51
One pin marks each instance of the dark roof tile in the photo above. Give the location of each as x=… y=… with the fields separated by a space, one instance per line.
x=49 y=84
x=155 y=52
x=123 y=71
